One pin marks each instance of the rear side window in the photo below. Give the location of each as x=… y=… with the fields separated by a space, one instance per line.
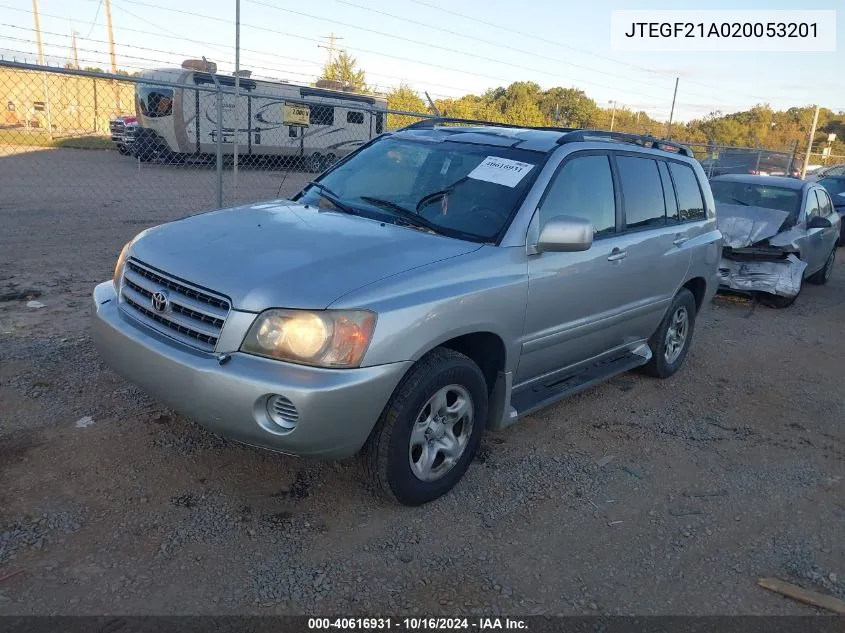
x=354 y=117
x=825 y=205
x=690 y=203
x=583 y=188
x=642 y=192
x=668 y=192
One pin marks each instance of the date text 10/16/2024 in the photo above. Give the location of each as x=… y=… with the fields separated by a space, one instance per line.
x=417 y=624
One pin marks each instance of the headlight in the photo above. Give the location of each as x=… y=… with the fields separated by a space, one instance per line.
x=118 y=267
x=330 y=338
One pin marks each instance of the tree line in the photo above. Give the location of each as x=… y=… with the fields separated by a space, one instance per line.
x=526 y=103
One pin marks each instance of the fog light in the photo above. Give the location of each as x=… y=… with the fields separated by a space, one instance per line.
x=282 y=412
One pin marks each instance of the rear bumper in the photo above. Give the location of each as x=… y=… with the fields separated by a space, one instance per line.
x=337 y=409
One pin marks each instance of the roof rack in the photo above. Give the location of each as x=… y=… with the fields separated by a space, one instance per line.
x=431 y=122
x=642 y=140
x=569 y=134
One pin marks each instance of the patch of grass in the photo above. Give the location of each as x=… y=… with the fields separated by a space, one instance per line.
x=40 y=138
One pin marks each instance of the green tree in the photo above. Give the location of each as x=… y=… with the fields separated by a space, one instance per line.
x=345 y=70
x=568 y=107
x=406 y=99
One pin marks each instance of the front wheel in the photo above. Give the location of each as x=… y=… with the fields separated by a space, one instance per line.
x=430 y=429
x=822 y=276
x=670 y=343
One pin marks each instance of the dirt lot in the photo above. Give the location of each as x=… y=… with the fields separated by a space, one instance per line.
x=638 y=496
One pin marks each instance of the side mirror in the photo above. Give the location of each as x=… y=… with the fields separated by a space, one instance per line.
x=565 y=234
x=818 y=222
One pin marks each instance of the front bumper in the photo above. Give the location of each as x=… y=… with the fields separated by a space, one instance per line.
x=337 y=407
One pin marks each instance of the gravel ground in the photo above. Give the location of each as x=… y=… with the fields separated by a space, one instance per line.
x=636 y=497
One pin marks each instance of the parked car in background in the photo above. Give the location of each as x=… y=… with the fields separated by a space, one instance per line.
x=835 y=186
x=446 y=278
x=777 y=232
x=118 y=127
x=824 y=172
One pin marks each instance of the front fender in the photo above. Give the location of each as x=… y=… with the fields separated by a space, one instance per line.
x=482 y=291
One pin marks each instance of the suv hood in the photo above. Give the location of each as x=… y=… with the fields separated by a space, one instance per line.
x=287 y=255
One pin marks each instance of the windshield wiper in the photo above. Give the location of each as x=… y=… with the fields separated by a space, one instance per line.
x=742 y=202
x=438 y=194
x=406 y=214
x=332 y=197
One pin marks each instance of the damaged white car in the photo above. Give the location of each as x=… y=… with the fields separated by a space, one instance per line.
x=777 y=232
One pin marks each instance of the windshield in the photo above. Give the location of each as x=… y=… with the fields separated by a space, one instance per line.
x=751 y=195
x=155 y=102
x=461 y=190
x=835 y=187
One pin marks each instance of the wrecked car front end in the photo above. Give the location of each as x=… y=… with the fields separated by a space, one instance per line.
x=758 y=255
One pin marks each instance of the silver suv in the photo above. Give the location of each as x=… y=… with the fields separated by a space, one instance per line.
x=445 y=279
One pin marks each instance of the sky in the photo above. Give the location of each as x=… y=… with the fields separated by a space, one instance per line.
x=425 y=44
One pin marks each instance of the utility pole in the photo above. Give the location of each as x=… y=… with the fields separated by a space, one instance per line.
x=111 y=37
x=612 y=114
x=75 y=51
x=115 y=86
x=672 y=111
x=237 y=139
x=810 y=143
x=331 y=46
x=41 y=63
x=38 y=32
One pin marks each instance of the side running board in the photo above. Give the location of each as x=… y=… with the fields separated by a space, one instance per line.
x=535 y=397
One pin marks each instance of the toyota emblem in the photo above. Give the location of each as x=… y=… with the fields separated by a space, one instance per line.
x=159 y=301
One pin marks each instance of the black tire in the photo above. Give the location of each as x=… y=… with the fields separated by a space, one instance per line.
x=123 y=150
x=386 y=455
x=659 y=366
x=314 y=163
x=821 y=277
x=328 y=161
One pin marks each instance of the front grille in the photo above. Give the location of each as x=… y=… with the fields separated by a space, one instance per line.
x=190 y=315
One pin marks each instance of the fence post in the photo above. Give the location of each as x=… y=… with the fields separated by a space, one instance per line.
x=219 y=136
x=757 y=164
x=96 y=113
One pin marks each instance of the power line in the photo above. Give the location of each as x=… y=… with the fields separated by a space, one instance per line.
x=296 y=36
x=94 y=21
x=501 y=45
x=149 y=59
x=364 y=50
x=535 y=37
x=443 y=48
x=161 y=61
x=257 y=66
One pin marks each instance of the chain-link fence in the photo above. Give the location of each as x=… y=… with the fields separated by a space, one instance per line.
x=172 y=141
x=166 y=142
x=718 y=160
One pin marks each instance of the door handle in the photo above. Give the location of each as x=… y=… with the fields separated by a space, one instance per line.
x=680 y=240
x=616 y=255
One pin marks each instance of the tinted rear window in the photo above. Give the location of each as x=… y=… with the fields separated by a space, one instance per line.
x=642 y=192
x=690 y=203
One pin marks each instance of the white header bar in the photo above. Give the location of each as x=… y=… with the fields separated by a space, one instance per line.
x=723 y=30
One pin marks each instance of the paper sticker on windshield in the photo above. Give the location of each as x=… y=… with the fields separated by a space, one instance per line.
x=501 y=171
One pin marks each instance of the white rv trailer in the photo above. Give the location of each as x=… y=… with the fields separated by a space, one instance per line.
x=270 y=118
